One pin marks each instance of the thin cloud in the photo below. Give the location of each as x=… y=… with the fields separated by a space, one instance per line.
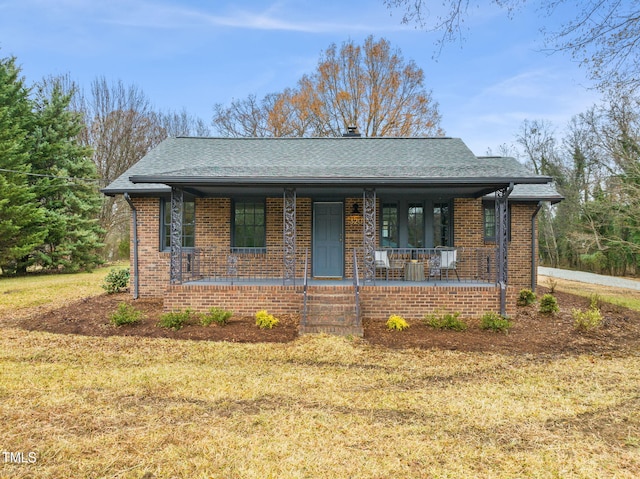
x=147 y=15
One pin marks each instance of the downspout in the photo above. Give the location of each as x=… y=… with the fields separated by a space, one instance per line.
x=534 y=275
x=134 y=213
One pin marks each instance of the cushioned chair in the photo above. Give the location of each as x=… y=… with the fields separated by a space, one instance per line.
x=385 y=262
x=448 y=262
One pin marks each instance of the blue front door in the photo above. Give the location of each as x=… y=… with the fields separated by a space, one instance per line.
x=328 y=252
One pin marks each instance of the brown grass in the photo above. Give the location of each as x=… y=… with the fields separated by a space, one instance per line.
x=627 y=298
x=48 y=292
x=318 y=407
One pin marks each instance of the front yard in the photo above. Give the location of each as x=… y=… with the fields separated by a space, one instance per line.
x=116 y=404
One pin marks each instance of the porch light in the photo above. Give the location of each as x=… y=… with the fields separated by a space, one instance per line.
x=355 y=217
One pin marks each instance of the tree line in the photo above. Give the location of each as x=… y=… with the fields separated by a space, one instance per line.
x=595 y=162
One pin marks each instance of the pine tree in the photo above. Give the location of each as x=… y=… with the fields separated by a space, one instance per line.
x=22 y=226
x=70 y=199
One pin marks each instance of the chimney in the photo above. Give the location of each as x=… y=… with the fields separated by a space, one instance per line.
x=352 y=132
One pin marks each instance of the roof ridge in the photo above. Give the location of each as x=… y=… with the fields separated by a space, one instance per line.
x=315 y=138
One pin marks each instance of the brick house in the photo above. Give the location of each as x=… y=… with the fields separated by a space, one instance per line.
x=334 y=229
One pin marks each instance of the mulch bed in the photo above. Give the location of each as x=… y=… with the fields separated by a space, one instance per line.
x=532 y=332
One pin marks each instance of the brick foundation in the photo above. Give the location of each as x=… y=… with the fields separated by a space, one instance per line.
x=376 y=302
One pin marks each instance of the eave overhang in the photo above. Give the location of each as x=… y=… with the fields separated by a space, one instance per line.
x=360 y=181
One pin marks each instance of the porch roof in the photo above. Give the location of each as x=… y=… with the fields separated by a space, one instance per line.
x=210 y=165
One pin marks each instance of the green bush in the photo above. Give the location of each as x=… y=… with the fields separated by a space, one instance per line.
x=397 y=323
x=526 y=297
x=494 y=322
x=216 y=315
x=587 y=320
x=175 y=319
x=116 y=280
x=125 y=314
x=549 y=304
x=265 y=320
x=446 y=321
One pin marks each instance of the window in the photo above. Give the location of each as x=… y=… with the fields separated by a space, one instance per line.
x=490 y=221
x=188 y=224
x=249 y=229
x=441 y=224
x=389 y=233
x=416 y=225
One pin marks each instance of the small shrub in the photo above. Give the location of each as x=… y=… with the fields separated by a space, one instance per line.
x=116 y=280
x=587 y=320
x=526 y=297
x=265 y=320
x=494 y=322
x=552 y=284
x=446 y=321
x=216 y=315
x=549 y=304
x=125 y=314
x=397 y=323
x=175 y=319
x=595 y=301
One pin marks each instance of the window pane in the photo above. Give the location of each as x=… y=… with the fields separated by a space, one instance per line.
x=441 y=222
x=249 y=229
x=188 y=224
x=389 y=232
x=416 y=226
x=489 y=222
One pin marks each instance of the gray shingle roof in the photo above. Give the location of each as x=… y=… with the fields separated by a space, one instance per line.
x=314 y=160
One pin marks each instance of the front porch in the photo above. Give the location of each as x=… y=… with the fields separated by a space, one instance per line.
x=410 y=282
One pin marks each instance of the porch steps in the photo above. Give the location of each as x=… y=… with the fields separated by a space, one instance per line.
x=331 y=313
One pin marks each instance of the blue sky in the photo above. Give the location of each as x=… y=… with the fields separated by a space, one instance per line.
x=191 y=54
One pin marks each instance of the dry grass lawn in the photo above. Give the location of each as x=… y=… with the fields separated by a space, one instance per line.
x=623 y=297
x=319 y=407
x=47 y=292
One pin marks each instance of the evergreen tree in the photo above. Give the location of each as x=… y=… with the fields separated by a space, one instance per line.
x=22 y=226
x=70 y=199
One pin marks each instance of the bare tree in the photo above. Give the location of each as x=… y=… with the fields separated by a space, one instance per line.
x=537 y=138
x=248 y=117
x=369 y=86
x=121 y=127
x=181 y=124
x=604 y=35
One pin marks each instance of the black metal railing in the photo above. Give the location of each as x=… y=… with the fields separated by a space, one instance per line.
x=437 y=264
x=218 y=264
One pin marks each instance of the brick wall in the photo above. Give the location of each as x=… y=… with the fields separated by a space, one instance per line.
x=243 y=300
x=153 y=265
x=469 y=232
x=377 y=302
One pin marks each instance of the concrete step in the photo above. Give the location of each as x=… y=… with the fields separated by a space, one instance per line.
x=332 y=329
